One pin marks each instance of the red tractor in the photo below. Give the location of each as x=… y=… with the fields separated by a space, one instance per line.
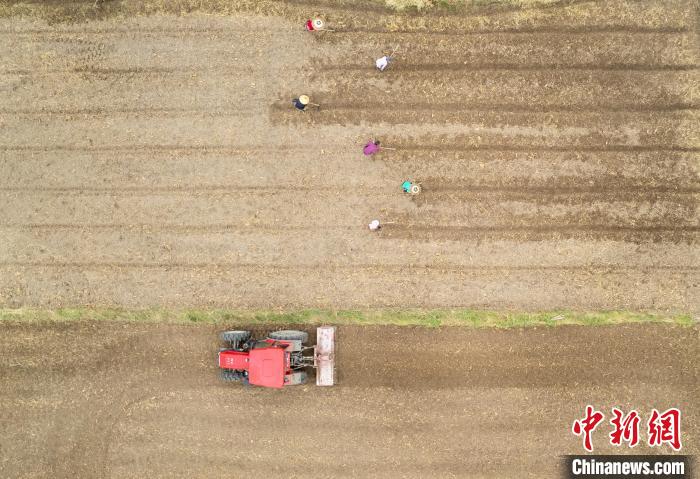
x=281 y=359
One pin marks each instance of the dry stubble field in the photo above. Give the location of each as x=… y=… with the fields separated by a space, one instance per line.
x=156 y=160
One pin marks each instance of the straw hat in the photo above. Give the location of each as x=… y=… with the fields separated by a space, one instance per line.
x=317 y=23
x=304 y=100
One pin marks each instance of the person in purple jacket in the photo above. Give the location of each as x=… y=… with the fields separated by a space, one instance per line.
x=371 y=148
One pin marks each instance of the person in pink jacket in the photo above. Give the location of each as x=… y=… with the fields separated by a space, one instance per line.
x=371 y=148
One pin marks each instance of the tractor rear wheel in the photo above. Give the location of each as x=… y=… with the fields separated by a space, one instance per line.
x=290 y=335
x=228 y=375
x=236 y=337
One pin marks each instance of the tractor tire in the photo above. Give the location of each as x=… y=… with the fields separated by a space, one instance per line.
x=235 y=336
x=290 y=335
x=230 y=376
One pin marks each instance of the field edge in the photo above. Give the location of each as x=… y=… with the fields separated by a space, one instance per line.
x=432 y=318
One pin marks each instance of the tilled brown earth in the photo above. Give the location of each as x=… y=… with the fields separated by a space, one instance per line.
x=156 y=160
x=99 y=400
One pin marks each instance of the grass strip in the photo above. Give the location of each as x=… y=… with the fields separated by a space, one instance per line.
x=397 y=317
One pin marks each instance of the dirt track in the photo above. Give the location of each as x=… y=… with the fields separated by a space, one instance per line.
x=120 y=400
x=156 y=160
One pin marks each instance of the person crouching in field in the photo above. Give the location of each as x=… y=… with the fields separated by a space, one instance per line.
x=383 y=62
x=371 y=148
x=301 y=103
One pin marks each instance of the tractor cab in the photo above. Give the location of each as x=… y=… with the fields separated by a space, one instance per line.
x=268 y=366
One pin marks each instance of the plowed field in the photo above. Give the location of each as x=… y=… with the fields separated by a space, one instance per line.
x=129 y=400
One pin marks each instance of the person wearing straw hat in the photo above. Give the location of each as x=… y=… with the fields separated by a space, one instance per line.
x=411 y=188
x=315 y=24
x=301 y=102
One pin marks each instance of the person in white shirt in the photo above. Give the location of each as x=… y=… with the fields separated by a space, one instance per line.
x=383 y=62
x=374 y=225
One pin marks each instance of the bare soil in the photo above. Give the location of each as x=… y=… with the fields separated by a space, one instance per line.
x=123 y=400
x=156 y=160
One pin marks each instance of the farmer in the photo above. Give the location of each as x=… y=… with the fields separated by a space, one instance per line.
x=411 y=188
x=314 y=24
x=383 y=62
x=371 y=148
x=301 y=102
x=374 y=225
